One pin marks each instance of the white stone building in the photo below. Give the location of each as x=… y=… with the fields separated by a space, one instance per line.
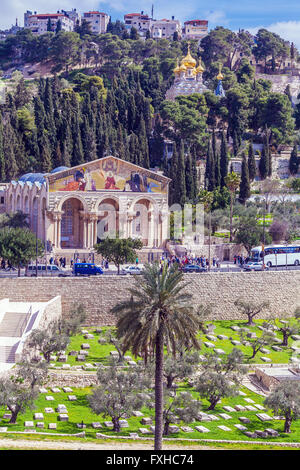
x=73 y=208
x=98 y=21
x=38 y=23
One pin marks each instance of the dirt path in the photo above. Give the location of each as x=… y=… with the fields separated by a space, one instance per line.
x=59 y=445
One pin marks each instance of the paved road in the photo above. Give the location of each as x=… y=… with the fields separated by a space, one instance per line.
x=224 y=268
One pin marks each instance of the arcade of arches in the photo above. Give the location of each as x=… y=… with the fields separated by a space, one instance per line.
x=74 y=208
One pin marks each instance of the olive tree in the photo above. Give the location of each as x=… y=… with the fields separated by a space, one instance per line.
x=285 y=400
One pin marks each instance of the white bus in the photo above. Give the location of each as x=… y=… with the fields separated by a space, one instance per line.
x=277 y=255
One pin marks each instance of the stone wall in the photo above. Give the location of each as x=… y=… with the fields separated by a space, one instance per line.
x=280 y=288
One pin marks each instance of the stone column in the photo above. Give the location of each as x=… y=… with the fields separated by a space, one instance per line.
x=58 y=231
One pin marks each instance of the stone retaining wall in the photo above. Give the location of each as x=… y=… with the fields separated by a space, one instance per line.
x=280 y=288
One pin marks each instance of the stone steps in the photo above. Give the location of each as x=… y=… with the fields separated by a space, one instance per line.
x=13 y=324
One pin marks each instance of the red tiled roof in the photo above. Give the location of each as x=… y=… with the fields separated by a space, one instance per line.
x=95 y=12
x=47 y=15
x=202 y=22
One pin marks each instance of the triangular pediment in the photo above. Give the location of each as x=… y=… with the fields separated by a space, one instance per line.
x=108 y=173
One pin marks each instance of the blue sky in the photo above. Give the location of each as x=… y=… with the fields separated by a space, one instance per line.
x=279 y=16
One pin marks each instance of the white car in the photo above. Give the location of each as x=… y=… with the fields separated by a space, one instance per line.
x=255 y=266
x=132 y=270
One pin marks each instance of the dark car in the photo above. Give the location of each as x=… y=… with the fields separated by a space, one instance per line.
x=194 y=268
x=88 y=269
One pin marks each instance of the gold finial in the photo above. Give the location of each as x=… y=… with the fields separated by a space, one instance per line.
x=220 y=76
x=200 y=68
x=188 y=61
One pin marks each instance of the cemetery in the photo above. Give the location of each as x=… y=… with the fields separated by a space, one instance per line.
x=63 y=406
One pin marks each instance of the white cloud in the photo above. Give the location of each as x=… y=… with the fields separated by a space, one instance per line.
x=215 y=18
x=288 y=30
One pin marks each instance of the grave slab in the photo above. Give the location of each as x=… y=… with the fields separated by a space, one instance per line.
x=38 y=416
x=49 y=410
x=187 y=429
x=201 y=429
x=67 y=389
x=239 y=408
x=228 y=408
x=63 y=417
x=28 y=424
x=240 y=427
x=224 y=428
x=225 y=416
x=264 y=417
x=40 y=424
x=49 y=398
x=144 y=431
x=52 y=426
x=96 y=425
x=244 y=420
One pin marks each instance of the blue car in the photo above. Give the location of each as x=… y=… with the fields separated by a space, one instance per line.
x=86 y=269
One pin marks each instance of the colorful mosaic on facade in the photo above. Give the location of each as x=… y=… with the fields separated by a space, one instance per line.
x=107 y=174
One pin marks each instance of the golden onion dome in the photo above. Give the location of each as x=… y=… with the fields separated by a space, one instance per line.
x=188 y=61
x=200 y=68
x=182 y=68
x=220 y=76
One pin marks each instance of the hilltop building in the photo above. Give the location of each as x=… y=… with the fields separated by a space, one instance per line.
x=98 y=21
x=139 y=21
x=164 y=29
x=188 y=78
x=38 y=23
x=195 y=29
x=73 y=208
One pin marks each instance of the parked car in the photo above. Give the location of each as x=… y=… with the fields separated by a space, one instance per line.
x=132 y=270
x=194 y=268
x=46 y=270
x=86 y=269
x=255 y=266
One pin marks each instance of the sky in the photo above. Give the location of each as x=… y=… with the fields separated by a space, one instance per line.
x=281 y=17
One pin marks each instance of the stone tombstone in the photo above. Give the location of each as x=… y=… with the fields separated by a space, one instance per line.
x=96 y=425
x=40 y=424
x=28 y=424
x=85 y=346
x=52 y=426
x=201 y=429
x=38 y=416
x=61 y=409
x=63 y=417
x=146 y=421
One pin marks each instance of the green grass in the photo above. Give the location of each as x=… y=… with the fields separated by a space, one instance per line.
x=79 y=410
x=100 y=353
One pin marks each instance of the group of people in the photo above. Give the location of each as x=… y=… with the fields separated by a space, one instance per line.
x=184 y=260
x=58 y=262
x=240 y=259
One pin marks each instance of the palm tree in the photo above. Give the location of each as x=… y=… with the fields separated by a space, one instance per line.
x=232 y=181
x=159 y=313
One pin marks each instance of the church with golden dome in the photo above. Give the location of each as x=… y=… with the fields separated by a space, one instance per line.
x=188 y=78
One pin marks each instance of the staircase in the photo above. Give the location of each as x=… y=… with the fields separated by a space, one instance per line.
x=14 y=324
x=7 y=353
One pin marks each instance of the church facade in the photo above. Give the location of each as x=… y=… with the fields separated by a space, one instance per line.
x=74 y=208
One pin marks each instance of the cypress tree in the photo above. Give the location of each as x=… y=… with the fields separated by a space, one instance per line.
x=223 y=161
x=210 y=181
x=180 y=180
x=264 y=163
x=251 y=162
x=195 y=174
x=294 y=160
x=45 y=153
x=245 y=182
x=2 y=160
x=88 y=141
x=173 y=175
x=189 y=182
x=12 y=169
